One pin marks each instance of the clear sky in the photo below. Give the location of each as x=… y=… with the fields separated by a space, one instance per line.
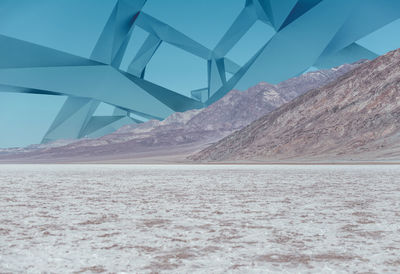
x=25 y=118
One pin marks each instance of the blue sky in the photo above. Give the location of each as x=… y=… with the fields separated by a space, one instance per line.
x=25 y=118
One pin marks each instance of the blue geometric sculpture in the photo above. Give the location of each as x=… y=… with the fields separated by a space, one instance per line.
x=318 y=33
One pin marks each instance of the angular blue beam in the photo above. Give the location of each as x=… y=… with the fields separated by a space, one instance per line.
x=102 y=83
x=367 y=17
x=98 y=122
x=72 y=119
x=143 y=56
x=348 y=55
x=16 y=53
x=170 y=35
x=296 y=47
x=240 y=26
x=277 y=10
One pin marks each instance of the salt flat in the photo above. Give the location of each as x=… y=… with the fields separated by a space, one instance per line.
x=205 y=219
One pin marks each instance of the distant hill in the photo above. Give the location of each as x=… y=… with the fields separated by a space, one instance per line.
x=356 y=117
x=189 y=130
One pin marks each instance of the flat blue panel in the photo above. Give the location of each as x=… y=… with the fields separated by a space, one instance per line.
x=238 y=29
x=254 y=39
x=230 y=66
x=72 y=119
x=369 y=16
x=296 y=48
x=104 y=110
x=301 y=7
x=137 y=39
x=383 y=40
x=99 y=82
x=127 y=12
x=69 y=108
x=216 y=75
x=16 y=53
x=99 y=122
x=280 y=10
x=103 y=50
x=171 y=35
x=144 y=55
x=119 y=112
x=200 y=94
x=205 y=21
x=348 y=55
x=175 y=101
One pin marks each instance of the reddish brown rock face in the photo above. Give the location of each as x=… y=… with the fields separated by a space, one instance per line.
x=356 y=117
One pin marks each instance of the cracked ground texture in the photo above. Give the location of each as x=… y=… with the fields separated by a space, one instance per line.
x=200 y=219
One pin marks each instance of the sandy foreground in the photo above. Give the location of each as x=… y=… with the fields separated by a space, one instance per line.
x=204 y=219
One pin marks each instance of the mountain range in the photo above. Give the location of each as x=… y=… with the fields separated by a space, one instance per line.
x=356 y=117
x=181 y=133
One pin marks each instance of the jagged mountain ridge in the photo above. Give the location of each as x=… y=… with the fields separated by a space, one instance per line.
x=234 y=111
x=354 y=118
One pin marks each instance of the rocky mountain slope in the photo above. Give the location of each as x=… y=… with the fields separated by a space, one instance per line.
x=190 y=129
x=354 y=118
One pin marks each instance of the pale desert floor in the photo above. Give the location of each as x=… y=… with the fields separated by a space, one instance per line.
x=205 y=219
